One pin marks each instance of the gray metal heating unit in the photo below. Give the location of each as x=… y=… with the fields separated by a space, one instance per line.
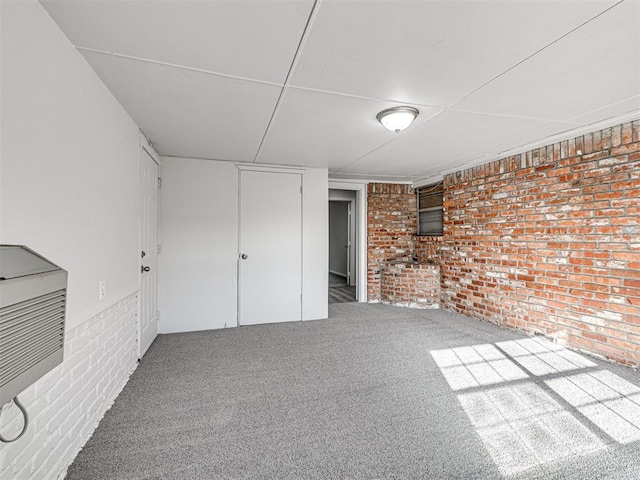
x=33 y=294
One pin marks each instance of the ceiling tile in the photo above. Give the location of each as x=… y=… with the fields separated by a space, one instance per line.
x=442 y=142
x=187 y=113
x=427 y=52
x=320 y=129
x=253 y=39
x=359 y=58
x=617 y=109
x=539 y=137
x=595 y=66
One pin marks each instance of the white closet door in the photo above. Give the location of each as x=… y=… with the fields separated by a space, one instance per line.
x=270 y=253
x=148 y=320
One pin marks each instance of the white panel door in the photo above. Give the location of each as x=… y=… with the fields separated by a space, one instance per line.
x=270 y=253
x=148 y=319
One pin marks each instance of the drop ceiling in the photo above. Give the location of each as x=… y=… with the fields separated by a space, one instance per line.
x=300 y=82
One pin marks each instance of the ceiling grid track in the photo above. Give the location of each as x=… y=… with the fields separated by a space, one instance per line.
x=452 y=105
x=175 y=72
x=294 y=62
x=173 y=65
x=536 y=52
x=389 y=141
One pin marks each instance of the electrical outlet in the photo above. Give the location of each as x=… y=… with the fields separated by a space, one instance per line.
x=102 y=290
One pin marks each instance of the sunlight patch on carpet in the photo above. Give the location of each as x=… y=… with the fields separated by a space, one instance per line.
x=541 y=357
x=530 y=407
x=610 y=402
x=477 y=365
x=522 y=427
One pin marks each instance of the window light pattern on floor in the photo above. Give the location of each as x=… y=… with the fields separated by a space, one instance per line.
x=467 y=367
x=611 y=403
x=541 y=357
x=530 y=406
x=522 y=427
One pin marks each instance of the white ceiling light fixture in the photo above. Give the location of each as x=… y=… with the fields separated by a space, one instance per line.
x=397 y=118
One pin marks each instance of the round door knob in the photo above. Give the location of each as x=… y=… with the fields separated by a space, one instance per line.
x=244 y=256
x=145 y=269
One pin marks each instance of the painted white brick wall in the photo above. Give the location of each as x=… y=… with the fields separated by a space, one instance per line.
x=66 y=405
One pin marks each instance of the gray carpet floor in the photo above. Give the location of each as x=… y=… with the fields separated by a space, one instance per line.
x=374 y=392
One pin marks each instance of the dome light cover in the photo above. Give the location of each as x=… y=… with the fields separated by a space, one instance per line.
x=396 y=119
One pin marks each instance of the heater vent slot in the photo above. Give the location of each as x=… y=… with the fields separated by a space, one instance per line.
x=33 y=295
x=30 y=331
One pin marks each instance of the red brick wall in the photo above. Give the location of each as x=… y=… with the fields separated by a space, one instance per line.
x=549 y=242
x=546 y=242
x=427 y=248
x=410 y=285
x=391 y=224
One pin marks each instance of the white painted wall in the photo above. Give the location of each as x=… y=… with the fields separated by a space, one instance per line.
x=199 y=239
x=315 y=244
x=198 y=231
x=341 y=195
x=69 y=181
x=69 y=190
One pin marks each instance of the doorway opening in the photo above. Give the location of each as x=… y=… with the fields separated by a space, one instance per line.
x=342 y=284
x=347 y=282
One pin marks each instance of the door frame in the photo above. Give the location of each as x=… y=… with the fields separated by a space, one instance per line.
x=361 y=232
x=350 y=245
x=145 y=148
